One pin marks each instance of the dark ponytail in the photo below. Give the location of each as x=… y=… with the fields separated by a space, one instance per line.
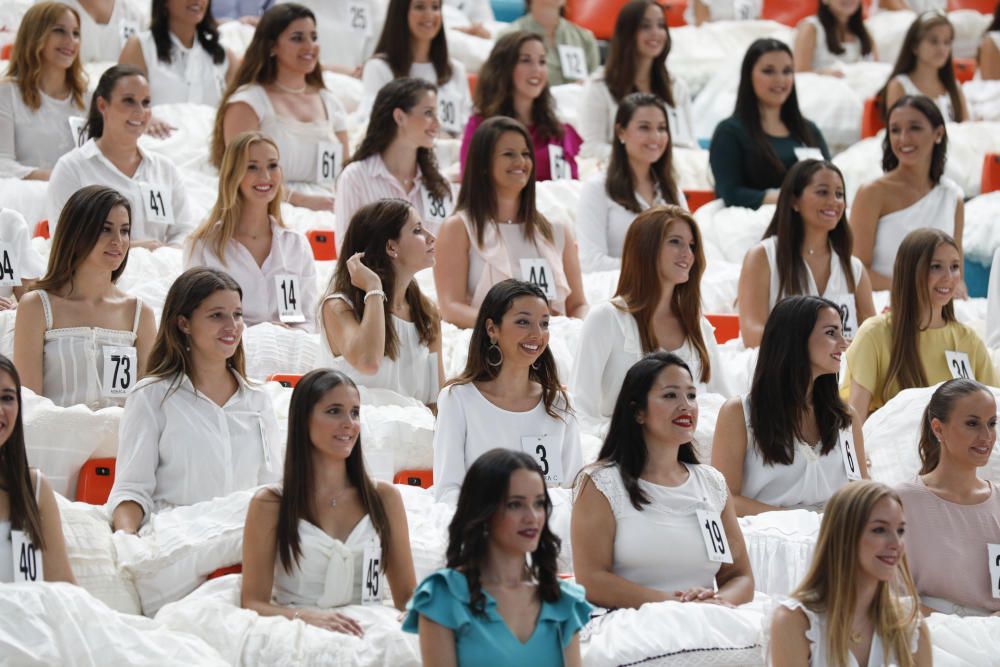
x=940 y=407
x=106 y=86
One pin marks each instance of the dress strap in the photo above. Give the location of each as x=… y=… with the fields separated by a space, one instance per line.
x=138 y=314
x=38 y=484
x=46 y=307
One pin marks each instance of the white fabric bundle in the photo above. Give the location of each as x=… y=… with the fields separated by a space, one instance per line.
x=780 y=546
x=981 y=235
x=958 y=641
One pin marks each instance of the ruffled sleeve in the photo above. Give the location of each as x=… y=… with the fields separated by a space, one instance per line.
x=608 y=481
x=814 y=634
x=569 y=613
x=443 y=597
x=715 y=486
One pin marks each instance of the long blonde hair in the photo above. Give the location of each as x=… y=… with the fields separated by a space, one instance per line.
x=25 y=68
x=829 y=586
x=220 y=225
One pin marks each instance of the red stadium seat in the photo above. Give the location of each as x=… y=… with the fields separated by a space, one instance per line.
x=322 y=244
x=223 y=571
x=871 y=119
x=789 y=12
x=965 y=68
x=97 y=476
x=423 y=478
x=597 y=16
x=981 y=6
x=42 y=229
x=6 y=51
x=698 y=198
x=991 y=172
x=727 y=327
x=473 y=80
x=675 y=12
x=285 y=379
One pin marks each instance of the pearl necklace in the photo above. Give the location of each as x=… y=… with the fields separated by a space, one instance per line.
x=287 y=89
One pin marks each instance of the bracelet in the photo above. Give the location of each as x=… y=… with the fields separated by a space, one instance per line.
x=375 y=292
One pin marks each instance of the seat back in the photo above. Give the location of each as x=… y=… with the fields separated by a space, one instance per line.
x=97 y=476
x=698 y=198
x=423 y=478
x=285 y=379
x=727 y=326
x=789 y=12
x=321 y=241
x=991 y=172
x=871 y=118
x=597 y=16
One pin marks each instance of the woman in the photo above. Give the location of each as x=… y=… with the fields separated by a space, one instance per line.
x=78 y=338
x=806 y=250
x=106 y=26
x=396 y=158
x=245 y=236
x=315 y=543
x=753 y=149
x=913 y=192
x=924 y=67
x=571 y=51
x=119 y=114
x=42 y=95
x=918 y=342
x=848 y=610
x=989 y=50
x=279 y=90
x=32 y=547
x=640 y=174
x=953 y=514
x=638 y=512
x=492 y=605
x=514 y=82
x=20 y=264
x=791 y=442
x=656 y=306
x=180 y=55
x=395 y=344
x=413 y=44
x=195 y=429
x=835 y=36
x=637 y=63
x=497 y=232
x=509 y=394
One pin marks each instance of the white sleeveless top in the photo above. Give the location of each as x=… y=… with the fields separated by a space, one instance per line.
x=823 y=58
x=328 y=573
x=661 y=547
x=807 y=483
x=943 y=101
x=935 y=209
x=103 y=42
x=816 y=634
x=73 y=360
x=6 y=554
x=413 y=373
x=190 y=76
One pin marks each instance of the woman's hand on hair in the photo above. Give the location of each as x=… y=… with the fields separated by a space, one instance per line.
x=333 y=621
x=160 y=129
x=361 y=276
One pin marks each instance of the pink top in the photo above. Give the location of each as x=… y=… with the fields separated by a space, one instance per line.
x=570 y=143
x=946 y=547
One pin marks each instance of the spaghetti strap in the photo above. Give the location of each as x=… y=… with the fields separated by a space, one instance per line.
x=138 y=314
x=47 y=307
x=38 y=484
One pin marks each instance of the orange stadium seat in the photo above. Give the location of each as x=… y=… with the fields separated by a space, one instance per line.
x=871 y=119
x=789 y=12
x=981 y=6
x=675 y=12
x=6 y=51
x=597 y=16
x=285 y=379
x=698 y=198
x=42 y=229
x=422 y=478
x=473 y=80
x=991 y=172
x=965 y=68
x=727 y=327
x=97 y=476
x=322 y=244
x=223 y=571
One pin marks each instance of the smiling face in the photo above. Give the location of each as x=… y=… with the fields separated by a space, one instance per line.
x=646 y=135
x=671 y=413
x=822 y=202
x=512 y=162
x=531 y=73
x=297 y=47
x=968 y=437
x=414 y=249
x=127 y=112
x=335 y=421
x=62 y=43
x=843 y=9
x=881 y=545
x=186 y=12
x=424 y=19
x=517 y=525
x=651 y=37
x=216 y=326
x=263 y=175
x=773 y=76
x=419 y=126
x=9 y=408
x=943 y=275
x=826 y=343
x=523 y=332
x=935 y=48
x=912 y=137
x=112 y=245
x=677 y=255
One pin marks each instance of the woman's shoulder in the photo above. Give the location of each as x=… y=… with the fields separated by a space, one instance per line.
x=731 y=126
x=951 y=187
x=443 y=597
x=965 y=333
x=877 y=325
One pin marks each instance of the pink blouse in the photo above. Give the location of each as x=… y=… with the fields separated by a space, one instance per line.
x=570 y=143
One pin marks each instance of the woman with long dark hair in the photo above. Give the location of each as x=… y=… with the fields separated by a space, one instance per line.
x=833 y=37
x=753 y=149
x=639 y=510
x=499 y=601
x=571 y=50
x=989 y=49
x=791 y=442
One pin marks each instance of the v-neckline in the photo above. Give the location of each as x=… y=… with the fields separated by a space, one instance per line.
x=350 y=533
x=503 y=621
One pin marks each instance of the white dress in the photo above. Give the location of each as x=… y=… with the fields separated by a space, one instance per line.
x=15 y=239
x=21 y=151
x=469 y=425
x=103 y=42
x=816 y=634
x=298 y=142
x=726 y=10
x=73 y=360
x=454 y=99
x=661 y=547
x=935 y=209
x=347 y=31
x=823 y=58
x=6 y=551
x=943 y=101
x=599 y=107
x=413 y=373
x=806 y=483
x=610 y=345
x=191 y=75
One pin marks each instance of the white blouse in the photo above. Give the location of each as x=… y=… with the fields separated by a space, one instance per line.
x=935 y=209
x=21 y=128
x=469 y=425
x=290 y=254
x=6 y=550
x=598 y=109
x=103 y=42
x=661 y=546
x=454 y=99
x=156 y=174
x=610 y=345
x=178 y=447
x=414 y=371
x=15 y=240
x=823 y=58
x=190 y=76
x=348 y=31
x=727 y=10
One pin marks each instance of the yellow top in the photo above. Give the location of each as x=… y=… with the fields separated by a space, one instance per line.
x=868 y=357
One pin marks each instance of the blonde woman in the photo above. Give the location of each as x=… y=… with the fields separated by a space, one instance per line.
x=847 y=612
x=245 y=236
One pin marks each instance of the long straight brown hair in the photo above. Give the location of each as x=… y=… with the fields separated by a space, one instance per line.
x=15 y=477
x=639 y=281
x=910 y=304
x=25 y=67
x=395 y=44
x=620 y=68
x=620 y=182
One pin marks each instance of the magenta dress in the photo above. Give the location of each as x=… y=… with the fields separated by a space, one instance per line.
x=570 y=143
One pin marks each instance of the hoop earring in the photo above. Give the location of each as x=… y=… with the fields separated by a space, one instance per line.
x=494 y=346
x=534 y=365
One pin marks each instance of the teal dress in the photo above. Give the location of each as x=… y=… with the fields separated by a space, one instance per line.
x=443 y=597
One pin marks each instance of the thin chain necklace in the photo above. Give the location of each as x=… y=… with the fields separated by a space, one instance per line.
x=333 y=500
x=287 y=89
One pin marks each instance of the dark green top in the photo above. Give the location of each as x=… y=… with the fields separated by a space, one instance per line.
x=742 y=175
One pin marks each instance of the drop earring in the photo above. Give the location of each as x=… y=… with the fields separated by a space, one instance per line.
x=493 y=346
